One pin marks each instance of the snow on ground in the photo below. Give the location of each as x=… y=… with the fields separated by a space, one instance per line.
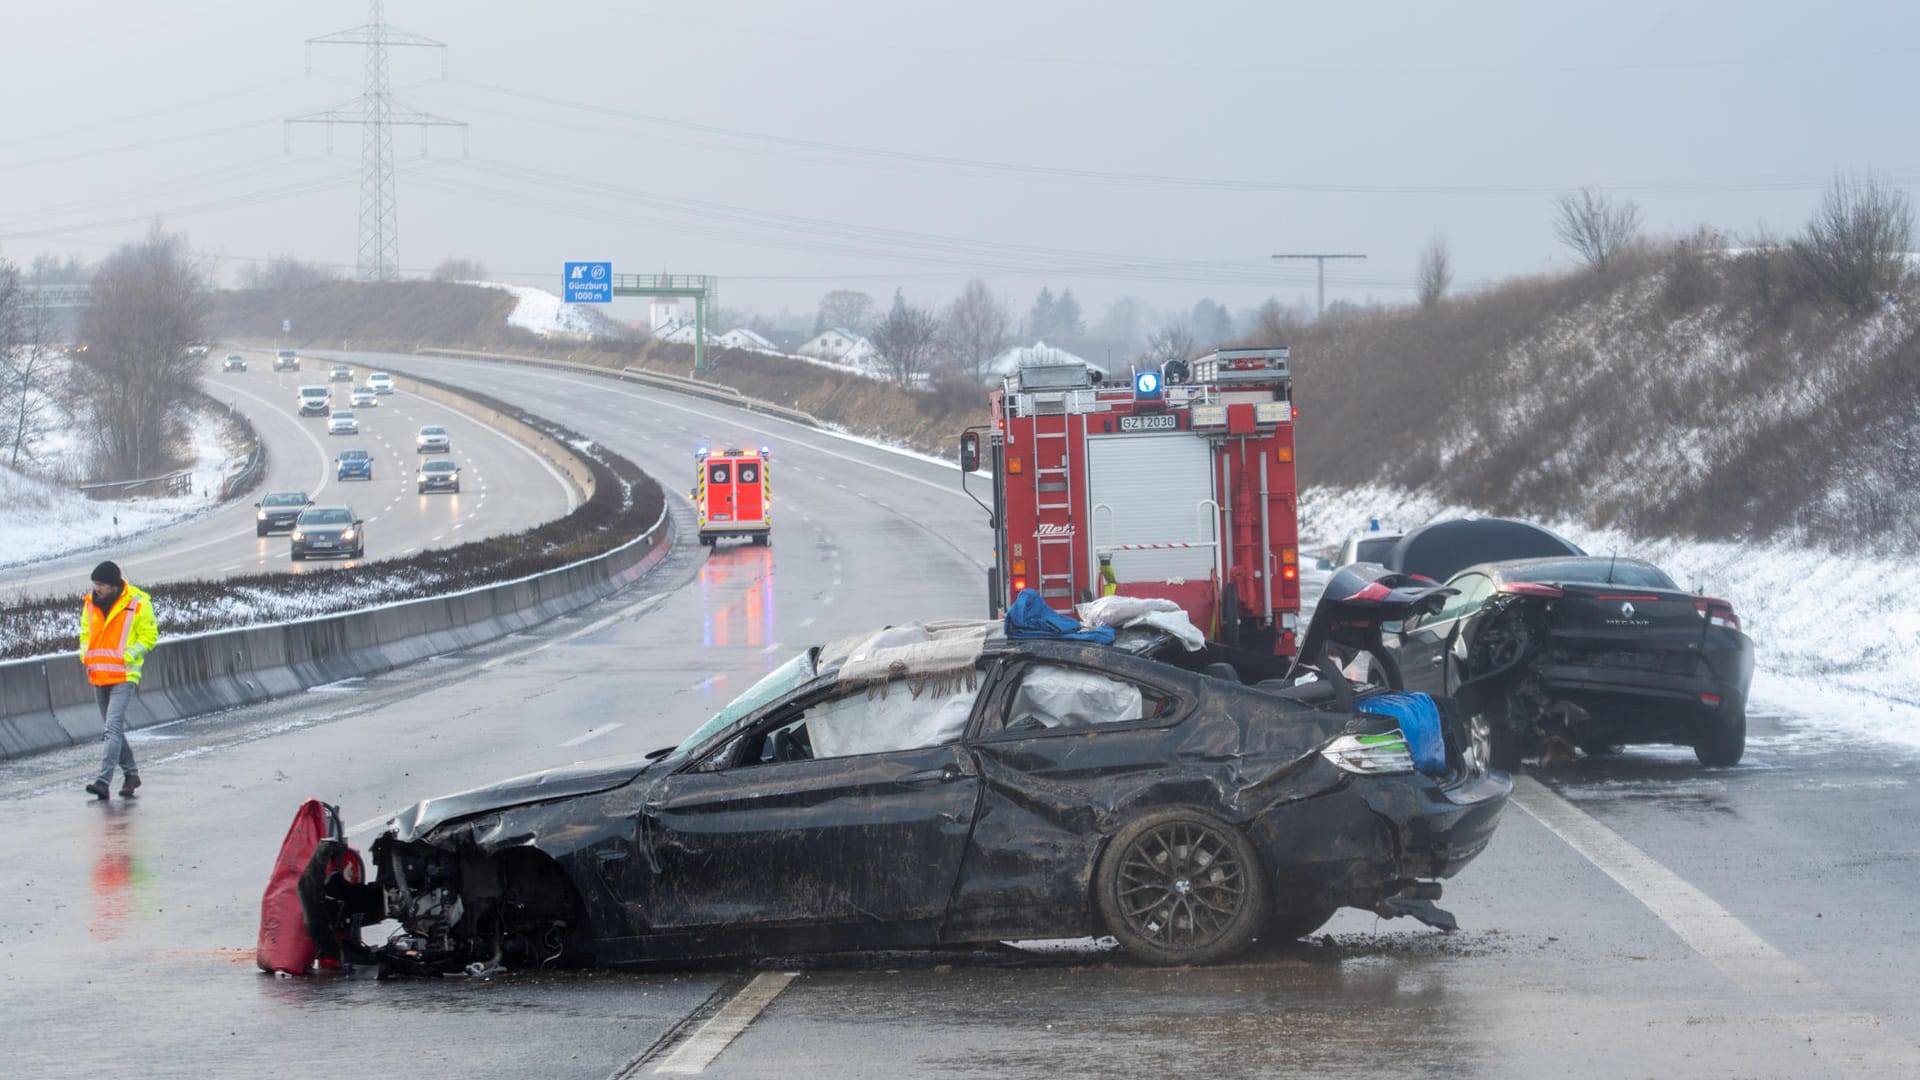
x=1836 y=649
x=40 y=520
x=540 y=311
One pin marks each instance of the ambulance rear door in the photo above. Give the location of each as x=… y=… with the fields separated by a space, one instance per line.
x=749 y=494
x=720 y=486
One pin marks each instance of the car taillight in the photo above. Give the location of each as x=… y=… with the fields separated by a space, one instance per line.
x=1019 y=585
x=1717 y=612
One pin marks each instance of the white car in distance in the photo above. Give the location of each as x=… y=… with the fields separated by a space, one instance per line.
x=342 y=422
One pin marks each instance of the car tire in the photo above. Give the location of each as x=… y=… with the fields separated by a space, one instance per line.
x=1726 y=743
x=456 y=489
x=1286 y=926
x=1180 y=887
x=360 y=552
x=259 y=530
x=296 y=556
x=419 y=489
x=1503 y=747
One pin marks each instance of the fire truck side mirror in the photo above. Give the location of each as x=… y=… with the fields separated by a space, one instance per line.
x=969 y=451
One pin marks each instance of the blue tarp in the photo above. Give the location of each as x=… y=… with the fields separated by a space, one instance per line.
x=1419 y=720
x=1030 y=617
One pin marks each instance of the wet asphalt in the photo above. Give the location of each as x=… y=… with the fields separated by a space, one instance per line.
x=1751 y=922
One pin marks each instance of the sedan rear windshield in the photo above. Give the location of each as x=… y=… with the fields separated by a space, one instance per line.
x=1598 y=572
x=286 y=499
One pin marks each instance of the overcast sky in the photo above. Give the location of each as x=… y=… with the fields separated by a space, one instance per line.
x=1121 y=148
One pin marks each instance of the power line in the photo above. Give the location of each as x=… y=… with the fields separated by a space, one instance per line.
x=1321 y=273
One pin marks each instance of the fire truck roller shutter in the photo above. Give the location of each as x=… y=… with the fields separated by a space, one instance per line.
x=1152 y=484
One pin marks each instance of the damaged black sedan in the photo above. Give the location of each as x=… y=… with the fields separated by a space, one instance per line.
x=938 y=784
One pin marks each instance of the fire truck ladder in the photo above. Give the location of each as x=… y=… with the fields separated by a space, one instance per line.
x=1053 y=565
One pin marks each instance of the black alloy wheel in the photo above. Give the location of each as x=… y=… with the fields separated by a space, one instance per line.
x=1180 y=887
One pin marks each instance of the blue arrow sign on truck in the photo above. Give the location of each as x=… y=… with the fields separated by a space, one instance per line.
x=589 y=283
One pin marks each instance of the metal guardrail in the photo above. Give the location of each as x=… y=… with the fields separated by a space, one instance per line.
x=172 y=483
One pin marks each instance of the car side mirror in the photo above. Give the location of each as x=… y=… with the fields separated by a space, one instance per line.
x=969 y=451
x=358 y=521
x=256 y=504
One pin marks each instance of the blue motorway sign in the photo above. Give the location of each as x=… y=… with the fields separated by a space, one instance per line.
x=589 y=283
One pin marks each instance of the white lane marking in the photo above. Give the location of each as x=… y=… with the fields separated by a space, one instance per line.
x=1812 y=1007
x=694 y=1055
x=836 y=581
x=707 y=682
x=806 y=622
x=632 y=610
x=591 y=733
x=771 y=648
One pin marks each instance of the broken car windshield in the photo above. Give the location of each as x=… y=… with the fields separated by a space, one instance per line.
x=777 y=682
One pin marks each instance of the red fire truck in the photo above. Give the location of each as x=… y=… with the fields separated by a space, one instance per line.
x=734 y=495
x=1179 y=484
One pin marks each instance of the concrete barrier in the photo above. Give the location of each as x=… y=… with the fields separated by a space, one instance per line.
x=46 y=702
x=725 y=395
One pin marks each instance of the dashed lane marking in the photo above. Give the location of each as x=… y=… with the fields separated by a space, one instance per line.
x=1858 y=1041
x=694 y=1055
x=806 y=622
x=591 y=733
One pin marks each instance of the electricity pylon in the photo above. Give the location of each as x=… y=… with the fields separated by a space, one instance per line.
x=377 y=114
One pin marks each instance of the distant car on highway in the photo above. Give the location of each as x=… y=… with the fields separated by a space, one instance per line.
x=433 y=439
x=365 y=398
x=381 y=382
x=340 y=373
x=315 y=401
x=353 y=465
x=328 y=530
x=234 y=362
x=196 y=349
x=438 y=475
x=286 y=360
x=279 y=510
x=343 y=422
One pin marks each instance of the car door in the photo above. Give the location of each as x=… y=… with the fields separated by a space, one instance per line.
x=1424 y=641
x=847 y=806
x=1062 y=749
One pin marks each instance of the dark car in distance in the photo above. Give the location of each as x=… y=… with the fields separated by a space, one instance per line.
x=234 y=362
x=1591 y=652
x=927 y=786
x=328 y=530
x=353 y=465
x=278 y=511
x=438 y=474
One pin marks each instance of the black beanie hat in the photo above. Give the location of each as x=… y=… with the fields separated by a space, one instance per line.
x=108 y=573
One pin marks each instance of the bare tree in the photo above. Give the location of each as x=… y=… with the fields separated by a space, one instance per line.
x=1853 y=249
x=907 y=340
x=978 y=327
x=452 y=269
x=27 y=369
x=148 y=301
x=1436 y=272
x=1594 y=226
x=1173 y=341
x=845 y=309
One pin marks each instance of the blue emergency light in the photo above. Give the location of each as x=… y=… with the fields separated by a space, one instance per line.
x=700 y=453
x=1146 y=384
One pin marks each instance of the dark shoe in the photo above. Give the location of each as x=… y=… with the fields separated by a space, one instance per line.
x=97 y=789
x=127 y=785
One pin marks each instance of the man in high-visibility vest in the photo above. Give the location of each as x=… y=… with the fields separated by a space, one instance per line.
x=117 y=631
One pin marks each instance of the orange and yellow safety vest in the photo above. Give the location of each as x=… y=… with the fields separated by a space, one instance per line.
x=114 y=646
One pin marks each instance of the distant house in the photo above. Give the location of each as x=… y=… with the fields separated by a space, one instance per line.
x=680 y=333
x=842 y=347
x=742 y=338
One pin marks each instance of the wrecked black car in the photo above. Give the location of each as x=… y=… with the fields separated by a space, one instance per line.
x=1588 y=652
x=940 y=783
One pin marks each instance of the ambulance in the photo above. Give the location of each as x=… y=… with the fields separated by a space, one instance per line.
x=733 y=495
